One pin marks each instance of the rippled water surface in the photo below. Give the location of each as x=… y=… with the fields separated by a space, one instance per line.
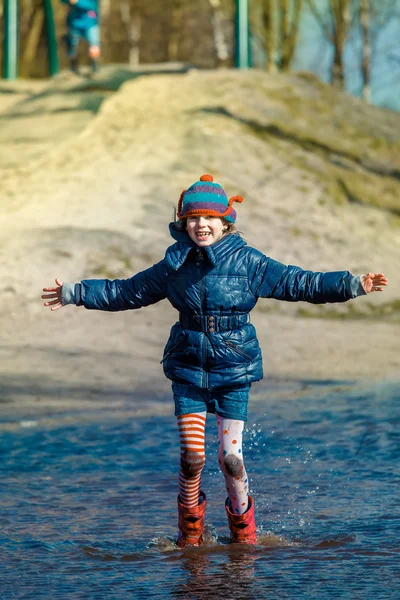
x=88 y=508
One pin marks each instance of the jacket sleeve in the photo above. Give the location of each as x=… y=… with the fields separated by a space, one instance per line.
x=276 y=280
x=143 y=289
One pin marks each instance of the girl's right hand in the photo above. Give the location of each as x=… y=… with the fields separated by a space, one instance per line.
x=53 y=296
x=373 y=282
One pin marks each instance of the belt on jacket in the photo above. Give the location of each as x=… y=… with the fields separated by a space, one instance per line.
x=212 y=323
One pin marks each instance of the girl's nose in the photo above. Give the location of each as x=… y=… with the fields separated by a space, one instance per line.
x=202 y=221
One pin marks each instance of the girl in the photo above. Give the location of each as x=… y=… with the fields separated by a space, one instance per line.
x=213 y=279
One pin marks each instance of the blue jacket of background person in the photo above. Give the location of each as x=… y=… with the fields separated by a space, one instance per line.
x=82 y=15
x=224 y=280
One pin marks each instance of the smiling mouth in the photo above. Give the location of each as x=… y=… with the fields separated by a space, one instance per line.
x=203 y=234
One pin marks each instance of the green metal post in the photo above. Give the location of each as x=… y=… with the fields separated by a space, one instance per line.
x=242 y=34
x=10 y=50
x=51 y=38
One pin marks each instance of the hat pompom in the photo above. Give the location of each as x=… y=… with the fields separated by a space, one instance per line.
x=206 y=177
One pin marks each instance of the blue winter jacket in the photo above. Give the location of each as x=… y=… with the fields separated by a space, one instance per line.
x=214 y=289
x=82 y=15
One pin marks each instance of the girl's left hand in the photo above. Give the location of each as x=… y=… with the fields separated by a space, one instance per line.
x=373 y=282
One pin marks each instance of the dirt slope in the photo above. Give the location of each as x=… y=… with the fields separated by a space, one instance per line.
x=90 y=187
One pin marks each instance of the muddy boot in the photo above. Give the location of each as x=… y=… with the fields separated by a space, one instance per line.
x=74 y=66
x=94 y=65
x=242 y=527
x=191 y=523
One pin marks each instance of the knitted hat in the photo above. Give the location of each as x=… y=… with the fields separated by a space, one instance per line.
x=207 y=198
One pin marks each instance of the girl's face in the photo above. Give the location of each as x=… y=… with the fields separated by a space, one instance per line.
x=205 y=231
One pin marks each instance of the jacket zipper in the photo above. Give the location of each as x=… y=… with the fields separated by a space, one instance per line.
x=204 y=337
x=238 y=350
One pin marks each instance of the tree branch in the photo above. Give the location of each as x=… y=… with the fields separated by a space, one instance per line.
x=320 y=20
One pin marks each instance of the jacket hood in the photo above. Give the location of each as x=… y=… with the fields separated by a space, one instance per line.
x=178 y=252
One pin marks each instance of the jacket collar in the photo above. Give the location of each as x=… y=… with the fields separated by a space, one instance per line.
x=178 y=253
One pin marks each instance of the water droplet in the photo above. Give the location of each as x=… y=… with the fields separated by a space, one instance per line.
x=28 y=423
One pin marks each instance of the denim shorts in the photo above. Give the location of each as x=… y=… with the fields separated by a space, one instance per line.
x=228 y=402
x=90 y=34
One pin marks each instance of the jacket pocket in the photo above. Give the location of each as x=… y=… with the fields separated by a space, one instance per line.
x=238 y=350
x=171 y=350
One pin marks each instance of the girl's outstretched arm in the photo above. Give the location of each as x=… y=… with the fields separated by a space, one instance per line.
x=373 y=282
x=143 y=289
x=53 y=295
x=272 y=279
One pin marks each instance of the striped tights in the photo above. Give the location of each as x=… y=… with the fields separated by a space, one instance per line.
x=191 y=429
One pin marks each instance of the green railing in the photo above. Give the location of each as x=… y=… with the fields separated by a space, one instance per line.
x=10 y=50
x=242 y=35
x=52 y=50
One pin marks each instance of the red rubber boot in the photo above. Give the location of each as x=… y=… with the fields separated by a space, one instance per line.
x=191 y=523
x=242 y=527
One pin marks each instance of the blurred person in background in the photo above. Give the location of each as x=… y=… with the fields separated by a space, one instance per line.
x=82 y=22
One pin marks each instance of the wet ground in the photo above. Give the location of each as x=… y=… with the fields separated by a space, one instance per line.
x=88 y=507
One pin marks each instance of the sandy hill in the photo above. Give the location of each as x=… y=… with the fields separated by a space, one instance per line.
x=90 y=174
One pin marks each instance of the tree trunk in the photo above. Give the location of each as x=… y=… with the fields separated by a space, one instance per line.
x=270 y=34
x=175 y=30
x=366 y=50
x=219 y=42
x=32 y=42
x=134 y=39
x=130 y=17
x=336 y=32
x=341 y=22
x=289 y=32
x=105 y=7
x=337 y=69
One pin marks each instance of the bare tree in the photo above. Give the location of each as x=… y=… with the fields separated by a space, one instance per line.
x=175 y=29
x=279 y=21
x=336 y=30
x=32 y=41
x=289 y=29
x=373 y=17
x=219 y=40
x=131 y=19
x=270 y=14
x=366 y=49
x=105 y=8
